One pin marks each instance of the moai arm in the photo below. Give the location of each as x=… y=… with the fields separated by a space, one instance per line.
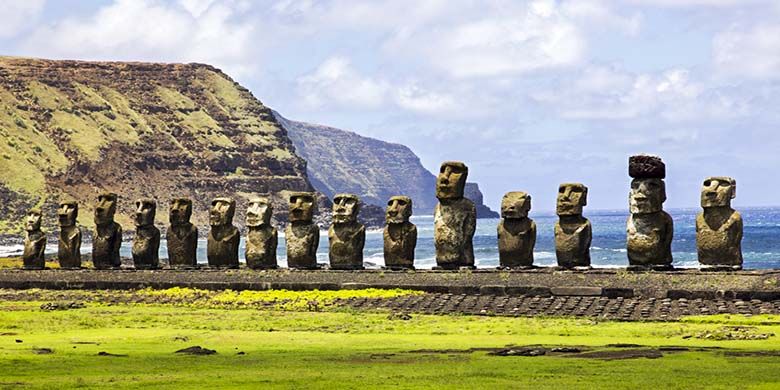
x=361 y=236
x=275 y=242
x=669 y=228
x=40 y=246
x=315 y=241
x=532 y=237
x=117 y=240
x=75 y=241
x=588 y=231
x=413 y=238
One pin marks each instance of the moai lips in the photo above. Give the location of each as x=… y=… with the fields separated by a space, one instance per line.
x=182 y=235
x=400 y=235
x=302 y=236
x=262 y=238
x=455 y=218
x=719 y=227
x=69 y=245
x=649 y=228
x=516 y=232
x=34 y=242
x=107 y=237
x=346 y=235
x=223 y=239
x=146 y=242
x=573 y=232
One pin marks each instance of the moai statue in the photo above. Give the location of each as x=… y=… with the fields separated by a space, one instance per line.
x=262 y=238
x=34 y=242
x=346 y=235
x=573 y=232
x=146 y=243
x=69 y=246
x=649 y=228
x=719 y=227
x=455 y=218
x=516 y=232
x=107 y=236
x=223 y=240
x=400 y=235
x=302 y=235
x=182 y=236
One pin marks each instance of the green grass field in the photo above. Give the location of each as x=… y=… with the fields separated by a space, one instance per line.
x=341 y=348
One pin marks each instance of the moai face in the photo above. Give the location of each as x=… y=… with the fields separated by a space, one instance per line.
x=451 y=180
x=33 y=221
x=222 y=211
x=399 y=209
x=180 y=211
x=647 y=196
x=145 y=211
x=105 y=208
x=345 y=208
x=67 y=213
x=571 y=198
x=515 y=205
x=718 y=192
x=259 y=212
x=302 y=207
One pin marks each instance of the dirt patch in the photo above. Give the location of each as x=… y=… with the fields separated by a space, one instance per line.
x=52 y=306
x=734 y=333
x=751 y=353
x=196 y=350
x=8 y=334
x=104 y=353
x=519 y=352
x=42 y=351
x=620 y=354
x=85 y=342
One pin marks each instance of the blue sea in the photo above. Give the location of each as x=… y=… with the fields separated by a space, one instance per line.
x=760 y=245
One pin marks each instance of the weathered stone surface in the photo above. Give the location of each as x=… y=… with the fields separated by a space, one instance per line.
x=262 y=238
x=146 y=243
x=400 y=235
x=69 y=245
x=455 y=218
x=107 y=236
x=301 y=235
x=649 y=228
x=645 y=166
x=223 y=240
x=346 y=236
x=182 y=236
x=516 y=232
x=34 y=242
x=719 y=227
x=573 y=232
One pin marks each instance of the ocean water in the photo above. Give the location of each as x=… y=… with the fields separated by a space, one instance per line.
x=760 y=244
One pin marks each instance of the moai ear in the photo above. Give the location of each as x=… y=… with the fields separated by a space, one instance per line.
x=733 y=188
x=584 y=196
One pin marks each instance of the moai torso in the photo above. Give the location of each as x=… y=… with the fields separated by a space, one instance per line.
x=223 y=239
x=182 y=236
x=34 y=242
x=516 y=232
x=69 y=245
x=262 y=238
x=346 y=236
x=719 y=227
x=146 y=243
x=400 y=235
x=302 y=235
x=455 y=219
x=573 y=232
x=649 y=229
x=107 y=236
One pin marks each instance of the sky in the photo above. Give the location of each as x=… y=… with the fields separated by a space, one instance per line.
x=529 y=94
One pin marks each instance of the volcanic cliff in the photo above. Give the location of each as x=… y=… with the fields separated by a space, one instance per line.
x=342 y=161
x=71 y=129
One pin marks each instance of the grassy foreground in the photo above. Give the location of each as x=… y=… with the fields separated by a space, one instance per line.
x=288 y=347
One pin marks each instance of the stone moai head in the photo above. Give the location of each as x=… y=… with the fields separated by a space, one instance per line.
x=145 y=211
x=259 y=212
x=222 y=211
x=451 y=180
x=302 y=206
x=399 y=209
x=571 y=198
x=105 y=208
x=718 y=191
x=67 y=213
x=180 y=211
x=648 y=190
x=33 y=220
x=345 y=208
x=515 y=205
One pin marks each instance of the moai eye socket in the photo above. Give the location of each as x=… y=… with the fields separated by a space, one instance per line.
x=401 y=202
x=577 y=190
x=634 y=185
x=561 y=189
x=707 y=183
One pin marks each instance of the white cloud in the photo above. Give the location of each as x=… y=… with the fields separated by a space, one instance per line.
x=19 y=14
x=748 y=53
x=415 y=98
x=701 y=3
x=336 y=82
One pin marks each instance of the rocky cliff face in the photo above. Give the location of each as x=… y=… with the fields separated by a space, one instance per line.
x=342 y=161
x=72 y=129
